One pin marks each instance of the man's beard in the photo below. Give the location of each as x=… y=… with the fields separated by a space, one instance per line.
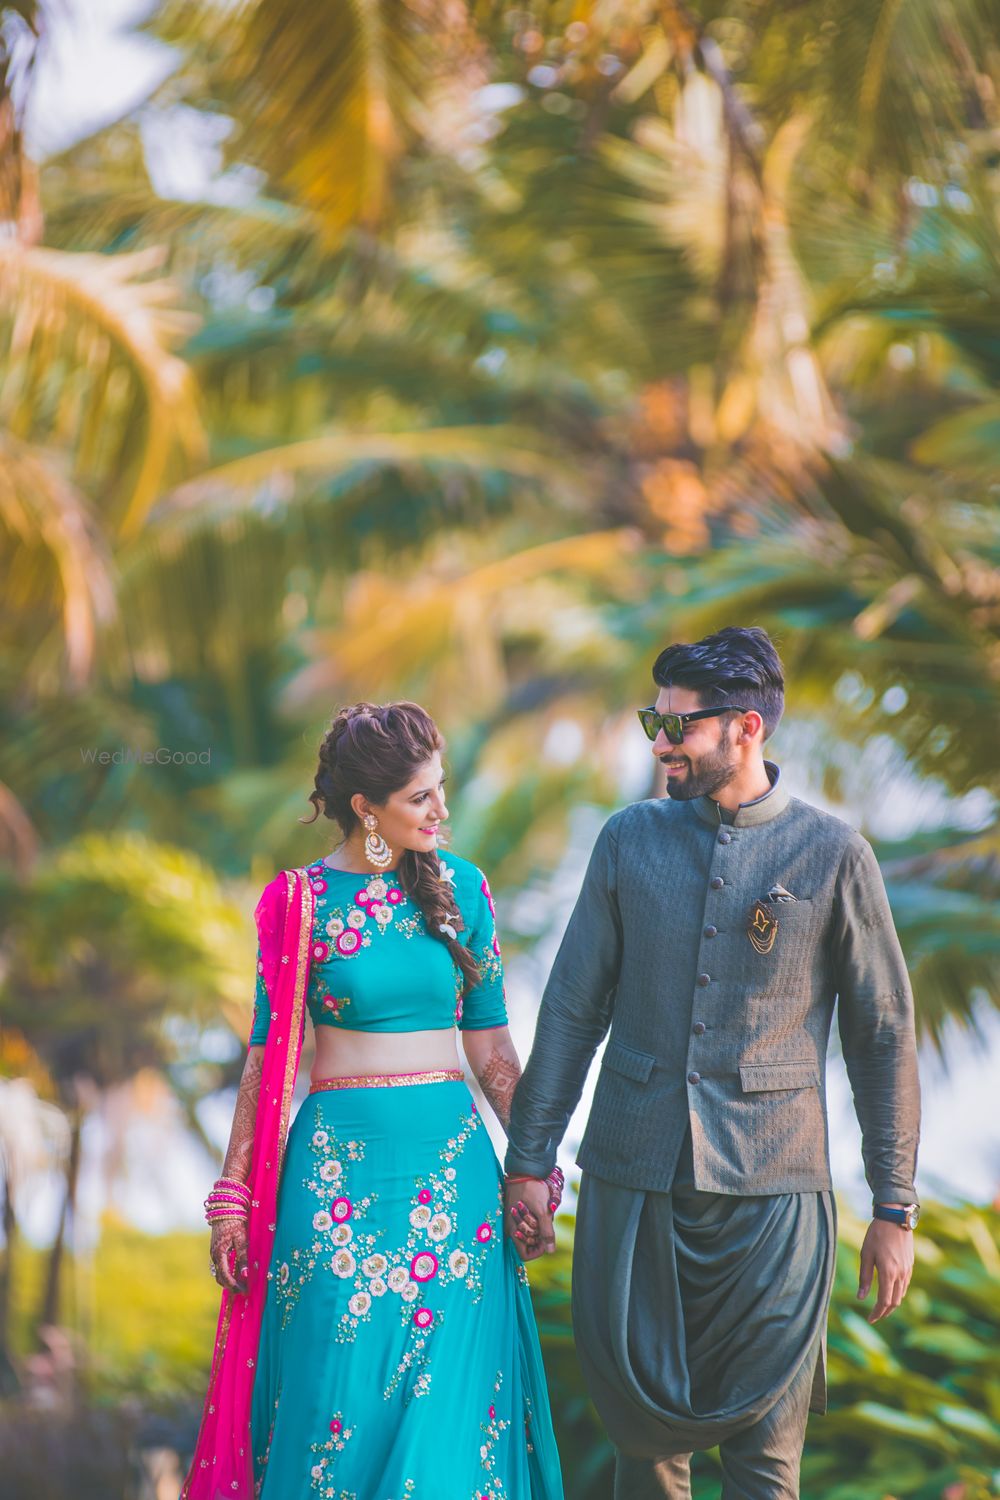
x=703 y=777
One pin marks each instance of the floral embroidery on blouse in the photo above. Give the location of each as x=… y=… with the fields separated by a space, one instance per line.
x=333 y=1006
x=485 y=888
x=490 y=963
x=374 y=909
x=488 y=957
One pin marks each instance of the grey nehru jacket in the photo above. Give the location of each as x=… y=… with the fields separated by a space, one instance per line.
x=706 y=1030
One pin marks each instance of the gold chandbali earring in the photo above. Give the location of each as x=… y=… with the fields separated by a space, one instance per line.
x=377 y=851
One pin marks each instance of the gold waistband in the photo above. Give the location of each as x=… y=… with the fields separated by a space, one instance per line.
x=389 y=1080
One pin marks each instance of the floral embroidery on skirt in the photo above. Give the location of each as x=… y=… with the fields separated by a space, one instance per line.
x=399 y=1358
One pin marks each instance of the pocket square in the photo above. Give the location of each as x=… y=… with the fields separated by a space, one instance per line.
x=778 y=893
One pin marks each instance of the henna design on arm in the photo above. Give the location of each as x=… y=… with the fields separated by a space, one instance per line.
x=229 y=1236
x=237 y=1163
x=498 y=1078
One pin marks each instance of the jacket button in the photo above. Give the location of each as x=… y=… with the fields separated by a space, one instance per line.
x=698 y=1028
x=704 y=979
x=694 y=1078
x=711 y=931
x=717 y=882
x=725 y=838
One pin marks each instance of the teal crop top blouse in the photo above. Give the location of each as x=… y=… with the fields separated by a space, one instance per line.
x=374 y=966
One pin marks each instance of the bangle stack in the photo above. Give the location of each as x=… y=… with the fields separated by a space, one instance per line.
x=229 y=1199
x=555 y=1182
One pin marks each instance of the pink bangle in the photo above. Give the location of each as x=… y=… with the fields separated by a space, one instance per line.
x=231 y=1182
x=220 y=1197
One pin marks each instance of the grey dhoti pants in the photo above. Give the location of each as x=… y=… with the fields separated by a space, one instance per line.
x=700 y=1320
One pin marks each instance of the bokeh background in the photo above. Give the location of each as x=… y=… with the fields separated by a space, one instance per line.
x=466 y=352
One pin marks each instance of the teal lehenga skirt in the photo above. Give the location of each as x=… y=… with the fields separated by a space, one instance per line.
x=398 y=1358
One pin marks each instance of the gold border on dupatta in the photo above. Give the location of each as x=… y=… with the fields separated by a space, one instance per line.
x=298 y=1002
x=291 y=1068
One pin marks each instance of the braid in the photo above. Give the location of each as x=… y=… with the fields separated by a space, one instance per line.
x=420 y=879
x=376 y=751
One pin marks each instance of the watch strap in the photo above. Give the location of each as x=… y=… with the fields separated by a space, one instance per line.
x=900 y=1216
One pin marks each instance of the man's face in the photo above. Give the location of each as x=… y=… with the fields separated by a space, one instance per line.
x=706 y=762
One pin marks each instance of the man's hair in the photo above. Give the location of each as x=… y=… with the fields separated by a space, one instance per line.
x=738 y=664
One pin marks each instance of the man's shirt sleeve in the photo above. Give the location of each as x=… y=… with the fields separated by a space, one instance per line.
x=574 y=1016
x=875 y=1017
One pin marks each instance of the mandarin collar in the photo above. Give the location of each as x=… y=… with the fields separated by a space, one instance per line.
x=771 y=805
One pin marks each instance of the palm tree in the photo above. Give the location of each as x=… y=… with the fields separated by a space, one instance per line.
x=108 y=940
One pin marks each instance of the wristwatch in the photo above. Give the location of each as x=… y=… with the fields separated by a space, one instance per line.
x=906 y=1217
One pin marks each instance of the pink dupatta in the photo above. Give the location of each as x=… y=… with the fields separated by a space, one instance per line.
x=222 y=1467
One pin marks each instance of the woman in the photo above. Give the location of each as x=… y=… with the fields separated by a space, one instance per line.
x=376 y=1339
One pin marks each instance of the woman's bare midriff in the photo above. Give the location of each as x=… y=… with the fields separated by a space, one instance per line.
x=354 y=1054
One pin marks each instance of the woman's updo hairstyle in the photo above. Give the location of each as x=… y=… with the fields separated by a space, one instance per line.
x=376 y=750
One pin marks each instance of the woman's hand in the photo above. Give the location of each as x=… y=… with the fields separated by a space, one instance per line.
x=526 y=1230
x=528 y=1212
x=229 y=1253
x=229 y=1236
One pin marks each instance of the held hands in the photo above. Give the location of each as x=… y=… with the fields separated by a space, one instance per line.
x=530 y=1206
x=229 y=1253
x=888 y=1253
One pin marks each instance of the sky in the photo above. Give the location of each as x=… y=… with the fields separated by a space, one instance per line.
x=90 y=70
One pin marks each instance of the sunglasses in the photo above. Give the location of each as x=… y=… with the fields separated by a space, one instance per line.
x=673 y=724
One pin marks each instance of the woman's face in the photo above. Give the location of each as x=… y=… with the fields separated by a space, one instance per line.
x=409 y=819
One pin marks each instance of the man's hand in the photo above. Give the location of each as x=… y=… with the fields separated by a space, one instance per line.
x=888 y=1253
x=535 y=1198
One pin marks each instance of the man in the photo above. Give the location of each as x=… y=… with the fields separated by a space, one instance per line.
x=715 y=929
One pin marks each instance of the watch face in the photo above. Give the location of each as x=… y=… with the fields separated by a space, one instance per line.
x=912 y=1216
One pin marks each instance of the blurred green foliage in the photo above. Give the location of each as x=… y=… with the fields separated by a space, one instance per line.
x=914 y=1405
x=914 y=1401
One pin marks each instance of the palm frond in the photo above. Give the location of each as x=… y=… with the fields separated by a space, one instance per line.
x=890 y=83
x=89 y=367
x=951 y=940
x=57 y=562
x=392 y=629
x=232 y=486
x=328 y=99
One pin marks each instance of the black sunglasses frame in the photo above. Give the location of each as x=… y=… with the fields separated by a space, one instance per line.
x=650 y=719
